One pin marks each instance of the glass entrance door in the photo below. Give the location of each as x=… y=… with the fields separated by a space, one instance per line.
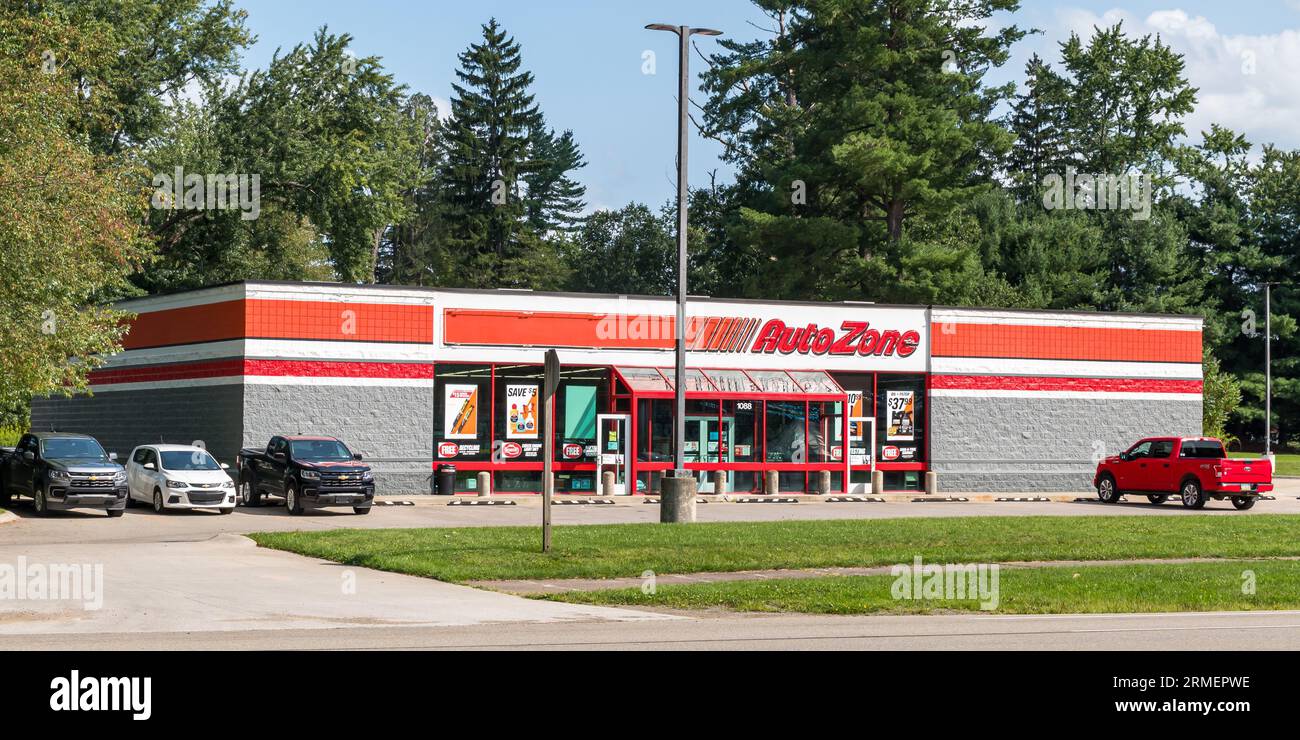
x=862 y=436
x=614 y=453
x=709 y=440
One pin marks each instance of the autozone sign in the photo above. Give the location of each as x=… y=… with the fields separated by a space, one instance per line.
x=852 y=338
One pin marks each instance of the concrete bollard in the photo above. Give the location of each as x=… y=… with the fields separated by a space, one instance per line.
x=677 y=502
x=719 y=482
x=931 y=483
x=484 y=484
x=771 y=482
x=823 y=482
x=877 y=482
x=607 y=483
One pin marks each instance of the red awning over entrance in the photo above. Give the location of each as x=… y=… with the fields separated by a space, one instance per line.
x=652 y=382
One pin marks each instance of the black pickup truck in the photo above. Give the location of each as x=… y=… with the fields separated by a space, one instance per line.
x=309 y=472
x=62 y=471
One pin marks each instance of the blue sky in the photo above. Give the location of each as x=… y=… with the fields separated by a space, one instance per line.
x=587 y=59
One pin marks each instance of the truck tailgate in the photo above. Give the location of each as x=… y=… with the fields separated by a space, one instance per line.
x=1245 y=471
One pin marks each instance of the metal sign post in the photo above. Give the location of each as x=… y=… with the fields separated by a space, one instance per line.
x=550 y=383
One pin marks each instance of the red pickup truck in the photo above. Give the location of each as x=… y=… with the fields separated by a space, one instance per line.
x=1196 y=468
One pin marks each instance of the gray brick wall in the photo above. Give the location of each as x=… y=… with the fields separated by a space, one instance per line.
x=392 y=427
x=121 y=420
x=1042 y=445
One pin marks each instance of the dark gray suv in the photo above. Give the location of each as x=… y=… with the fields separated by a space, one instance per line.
x=59 y=471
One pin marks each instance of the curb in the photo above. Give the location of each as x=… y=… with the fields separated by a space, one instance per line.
x=8 y=517
x=785 y=498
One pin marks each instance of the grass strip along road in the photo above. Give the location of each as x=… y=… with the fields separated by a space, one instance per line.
x=627 y=550
x=1226 y=586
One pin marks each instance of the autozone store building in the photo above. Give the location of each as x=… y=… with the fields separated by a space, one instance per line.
x=991 y=400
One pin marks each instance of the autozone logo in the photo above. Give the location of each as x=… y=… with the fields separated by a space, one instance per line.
x=853 y=337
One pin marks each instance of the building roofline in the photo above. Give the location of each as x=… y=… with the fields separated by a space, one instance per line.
x=641 y=297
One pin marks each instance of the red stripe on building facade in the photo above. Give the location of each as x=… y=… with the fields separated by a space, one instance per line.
x=264 y=368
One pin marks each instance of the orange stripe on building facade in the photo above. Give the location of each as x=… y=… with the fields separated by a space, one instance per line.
x=1065 y=343
x=257 y=318
x=558 y=329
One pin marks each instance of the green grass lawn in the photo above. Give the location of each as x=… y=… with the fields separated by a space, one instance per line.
x=1055 y=590
x=1286 y=464
x=627 y=550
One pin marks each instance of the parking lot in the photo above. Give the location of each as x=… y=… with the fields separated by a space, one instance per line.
x=141 y=525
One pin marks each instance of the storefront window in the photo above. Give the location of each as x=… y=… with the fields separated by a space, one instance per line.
x=825 y=431
x=900 y=418
x=519 y=413
x=785 y=432
x=654 y=433
x=582 y=394
x=462 y=408
x=746 y=438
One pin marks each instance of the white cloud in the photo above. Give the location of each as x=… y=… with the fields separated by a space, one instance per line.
x=1248 y=83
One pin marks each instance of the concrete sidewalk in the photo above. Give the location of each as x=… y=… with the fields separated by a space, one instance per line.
x=227 y=583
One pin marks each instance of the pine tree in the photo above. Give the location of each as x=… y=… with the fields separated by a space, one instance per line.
x=555 y=200
x=1038 y=119
x=488 y=153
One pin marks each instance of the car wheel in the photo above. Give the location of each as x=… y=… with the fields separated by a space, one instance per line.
x=1159 y=498
x=291 y=501
x=1243 y=502
x=115 y=513
x=1193 y=497
x=361 y=510
x=1106 y=490
x=227 y=510
x=39 y=504
x=248 y=493
x=158 y=506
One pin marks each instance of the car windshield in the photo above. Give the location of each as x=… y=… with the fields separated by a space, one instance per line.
x=1202 y=448
x=188 y=460
x=72 y=447
x=320 y=450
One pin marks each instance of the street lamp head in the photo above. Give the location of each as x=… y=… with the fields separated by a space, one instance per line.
x=705 y=32
x=662 y=27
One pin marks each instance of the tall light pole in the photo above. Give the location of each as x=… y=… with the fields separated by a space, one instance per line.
x=684 y=34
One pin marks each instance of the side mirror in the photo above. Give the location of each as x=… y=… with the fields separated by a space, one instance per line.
x=225 y=466
x=356 y=456
x=150 y=466
x=278 y=455
x=112 y=456
x=29 y=456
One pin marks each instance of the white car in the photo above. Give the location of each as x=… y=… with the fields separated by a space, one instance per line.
x=178 y=477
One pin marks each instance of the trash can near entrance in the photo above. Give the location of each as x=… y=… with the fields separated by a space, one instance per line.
x=446 y=479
